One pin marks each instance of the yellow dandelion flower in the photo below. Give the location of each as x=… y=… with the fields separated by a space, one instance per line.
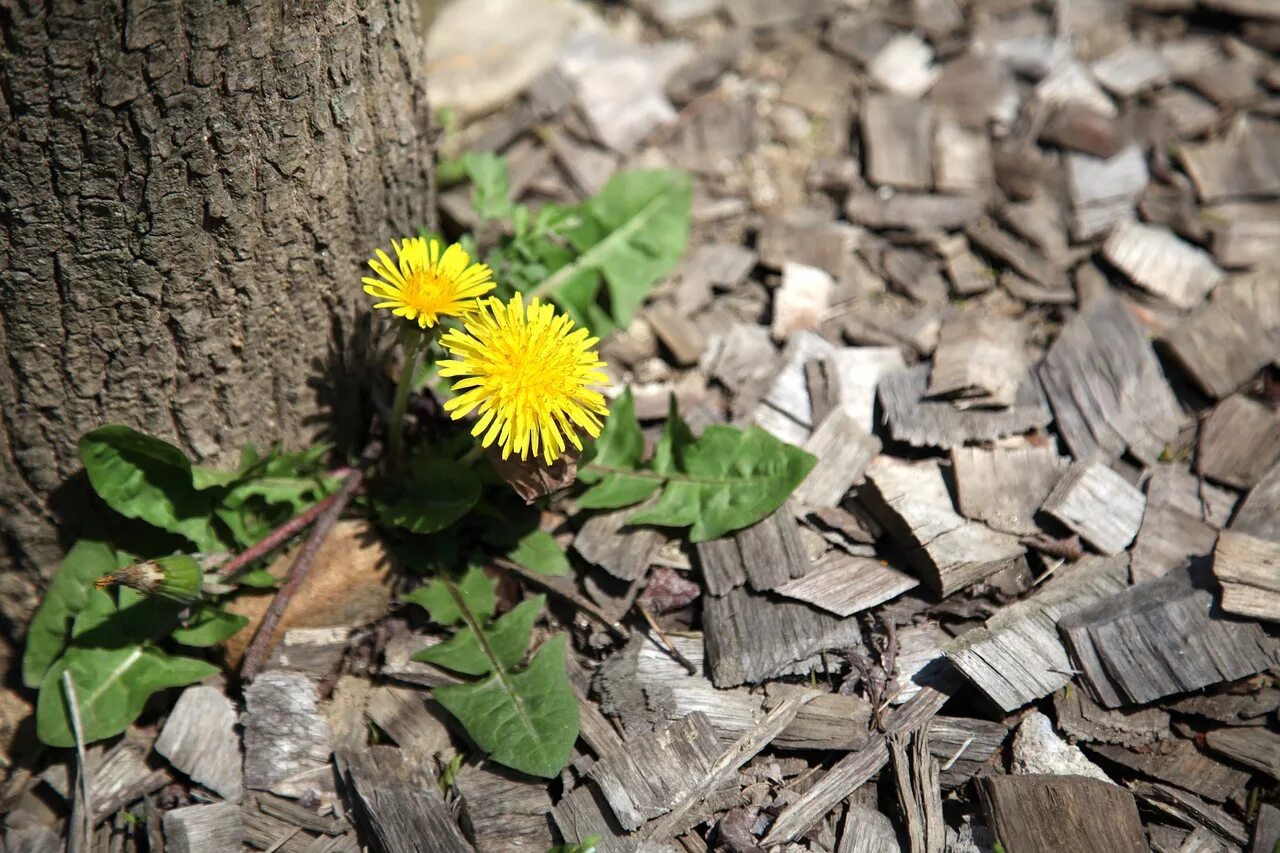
x=527 y=372
x=425 y=285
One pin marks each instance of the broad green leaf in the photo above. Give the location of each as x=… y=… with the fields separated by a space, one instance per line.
x=525 y=720
x=258 y=579
x=111 y=686
x=621 y=444
x=67 y=594
x=629 y=235
x=145 y=478
x=437 y=493
x=676 y=438
x=617 y=489
x=507 y=638
x=476 y=589
x=538 y=551
x=730 y=479
x=208 y=626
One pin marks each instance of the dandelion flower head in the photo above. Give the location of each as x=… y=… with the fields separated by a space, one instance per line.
x=525 y=369
x=424 y=284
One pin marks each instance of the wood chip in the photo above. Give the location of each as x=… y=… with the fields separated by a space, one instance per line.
x=981 y=359
x=751 y=637
x=1017 y=255
x=912 y=210
x=286 y=740
x=682 y=337
x=1160 y=263
x=961 y=161
x=415 y=723
x=1082 y=719
x=897 y=134
x=1266 y=832
x=199 y=738
x=1178 y=762
x=1103 y=191
x=964 y=746
x=919 y=793
x=1176 y=531
x=844 y=449
x=1236 y=166
x=866 y=830
x=802 y=301
x=606 y=541
x=950 y=551
x=1229 y=339
x=1189 y=809
x=1066 y=814
x=1248 y=569
x=1239 y=441
x=504 y=811
x=651 y=774
x=1162 y=637
x=812 y=238
x=845 y=585
x=786 y=410
x=1004 y=487
x=1069 y=82
x=1106 y=387
x=398 y=802
x=969 y=275
x=853 y=373
x=940 y=423
x=1259 y=514
x=1099 y=504
x=1017 y=656
x=215 y=828
x=1131 y=69
x=1255 y=747
x=904 y=66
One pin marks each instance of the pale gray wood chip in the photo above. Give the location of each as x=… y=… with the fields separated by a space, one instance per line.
x=1099 y=504
x=200 y=739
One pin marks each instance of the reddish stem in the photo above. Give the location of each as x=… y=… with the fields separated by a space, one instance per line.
x=275 y=538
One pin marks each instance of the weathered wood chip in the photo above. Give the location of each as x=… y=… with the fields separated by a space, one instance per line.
x=766 y=13
x=215 y=828
x=801 y=302
x=904 y=66
x=1177 y=761
x=200 y=739
x=897 y=134
x=682 y=337
x=866 y=830
x=411 y=720
x=503 y=811
x=941 y=423
x=1190 y=809
x=786 y=411
x=1131 y=69
x=1017 y=656
x=851 y=375
x=1239 y=441
x=969 y=275
x=1181 y=521
x=1259 y=514
x=1162 y=637
x=1161 y=263
x=812 y=238
x=1252 y=746
x=652 y=773
x=398 y=802
x=963 y=745
x=1069 y=82
x=1099 y=504
x=1233 y=336
x=606 y=541
x=1266 y=832
x=1066 y=814
x=751 y=637
x=919 y=793
x=1243 y=164
x=771 y=551
x=1248 y=569
x=845 y=584
x=1082 y=719
x=1004 y=487
x=912 y=210
x=844 y=449
x=961 y=160
x=1103 y=191
x=286 y=740
x=1017 y=255
x=980 y=360
x=1106 y=387
x=950 y=551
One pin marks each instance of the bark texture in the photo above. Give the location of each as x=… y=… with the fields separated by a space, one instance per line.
x=187 y=193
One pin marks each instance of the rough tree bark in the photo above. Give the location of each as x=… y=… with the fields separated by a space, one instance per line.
x=187 y=193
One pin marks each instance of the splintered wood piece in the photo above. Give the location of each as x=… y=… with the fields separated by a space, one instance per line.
x=1177 y=762
x=1106 y=387
x=287 y=742
x=801 y=302
x=721 y=565
x=1238 y=442
x=1191 y=810
x=916 y=275
x=845 y=584
x=1238 y=165
x=215 y=828
x=853 y=373
x=411 y=720
x=1233 y=336
x=771 y=551
x=1067 y=81
x=503 y=810
x=1017 y=656
x=867 y=831
x=919 y=793
x=912 y=210
x=1004 y=487
x=786 y=411
x=1259 y=513
x=1162 y=637
x=651 y=774
x=1099 y=504
x=1252 y=746
x=1020 y=257
x=897 y=135
x=950 y=551
x=583 y=813
x=1161 y=263
x=1248 y=568
x=963 y=746
x=1066 y=814
x=1131 y=69
x=981 y=359
x=606 y=541
x=751 y=637
x=294 y=813
x=919 y=662
x=941 y=423
x=682 y=337
x=1103 y=191
x=398 y=802
x=119 y=777
x=1084 y=720
x=844 y=449
x=200 y=739
x=827 y=721
x=968 y=274
x=1181 y=521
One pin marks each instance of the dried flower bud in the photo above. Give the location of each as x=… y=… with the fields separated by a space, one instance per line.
x=177 y=577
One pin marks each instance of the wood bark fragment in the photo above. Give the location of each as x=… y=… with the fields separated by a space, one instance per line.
x=1259 y=513
x=1159 y=262
x=980 y=360
x=606 y=541
x=1266 y=831
x=1239 y=441
x=1066 y=814
x=1004 y=487
x=845 y=584
x=919 y=793
x=398 y=803
x=286 y=741
x=214 y=828
x=1190 y=809
x=1248 y=570
x=503 y=811
x=844 y=449
x=1255 y=747
x=1100 y=505
x=941 y=423
x=1177 y=762
x=200 y=739
x=897 y=134
x=853 y=373
x=866 y=830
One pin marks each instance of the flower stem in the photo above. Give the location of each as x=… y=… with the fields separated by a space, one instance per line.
x=395 y=430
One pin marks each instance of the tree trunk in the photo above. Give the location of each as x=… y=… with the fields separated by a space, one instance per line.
x=187 y=193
